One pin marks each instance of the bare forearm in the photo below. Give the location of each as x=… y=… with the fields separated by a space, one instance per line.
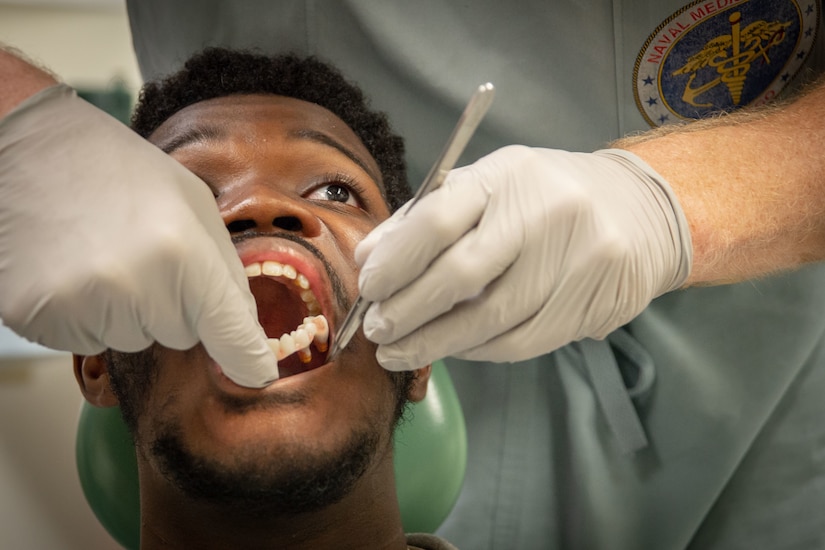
x=752 y=186
x=19 y=79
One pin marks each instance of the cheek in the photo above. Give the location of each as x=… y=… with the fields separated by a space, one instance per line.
x=357 y=396
x=180 y=386
x=346 y=237
x=364 y=401
x=352 y=233
x=182 y=372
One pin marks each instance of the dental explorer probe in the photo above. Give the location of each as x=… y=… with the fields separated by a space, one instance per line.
x=465 y=128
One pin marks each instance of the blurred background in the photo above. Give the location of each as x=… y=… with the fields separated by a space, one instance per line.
x=88 y=44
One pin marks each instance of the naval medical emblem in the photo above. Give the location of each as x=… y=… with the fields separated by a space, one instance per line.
x=719 y=55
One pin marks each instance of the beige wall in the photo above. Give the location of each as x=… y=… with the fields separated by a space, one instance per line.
x=84 y=46
x=41 y=505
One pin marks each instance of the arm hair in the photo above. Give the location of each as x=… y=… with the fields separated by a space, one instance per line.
x=20 y=78
x=751 y=183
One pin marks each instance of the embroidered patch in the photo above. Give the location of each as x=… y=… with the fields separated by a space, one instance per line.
x=720 y=55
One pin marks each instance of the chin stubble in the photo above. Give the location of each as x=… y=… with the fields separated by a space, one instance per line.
x=259 y=480
x=264 y=482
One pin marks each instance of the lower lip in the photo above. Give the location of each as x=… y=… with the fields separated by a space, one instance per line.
x=226 y=384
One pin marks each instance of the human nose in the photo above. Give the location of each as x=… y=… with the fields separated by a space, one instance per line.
x=266 y=208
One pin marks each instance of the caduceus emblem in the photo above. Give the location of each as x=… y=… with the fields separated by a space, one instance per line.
x=732 y=56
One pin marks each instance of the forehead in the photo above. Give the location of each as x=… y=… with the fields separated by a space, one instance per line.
x=257 y=117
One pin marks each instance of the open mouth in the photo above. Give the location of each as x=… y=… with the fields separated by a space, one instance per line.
x=290 y=314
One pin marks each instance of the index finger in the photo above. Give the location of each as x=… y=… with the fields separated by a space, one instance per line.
x=415 y=240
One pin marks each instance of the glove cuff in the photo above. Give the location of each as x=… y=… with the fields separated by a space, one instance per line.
x=671 y=210
x=57 y=92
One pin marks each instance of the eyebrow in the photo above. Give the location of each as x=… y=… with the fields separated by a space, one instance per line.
x=194 y=134
x=324 y=139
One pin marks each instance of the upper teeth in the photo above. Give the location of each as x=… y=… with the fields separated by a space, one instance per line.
x=276 y=269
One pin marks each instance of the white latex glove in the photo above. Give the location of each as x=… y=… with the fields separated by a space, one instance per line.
x=106 y=242
x=521 y=253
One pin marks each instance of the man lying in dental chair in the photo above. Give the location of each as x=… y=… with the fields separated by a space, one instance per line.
x=301 y=170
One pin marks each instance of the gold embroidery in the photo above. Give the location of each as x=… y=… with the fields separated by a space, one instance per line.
x=745 y=46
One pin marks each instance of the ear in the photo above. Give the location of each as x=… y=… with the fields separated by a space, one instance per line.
x=92 y=375
x=418 y=389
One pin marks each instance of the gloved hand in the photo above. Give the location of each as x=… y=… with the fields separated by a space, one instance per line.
x=106 y=242
x=521 y=253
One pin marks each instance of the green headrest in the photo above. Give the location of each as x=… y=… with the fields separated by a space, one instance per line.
x=430 y=461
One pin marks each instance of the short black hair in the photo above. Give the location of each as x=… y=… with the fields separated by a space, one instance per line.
x=220 y=72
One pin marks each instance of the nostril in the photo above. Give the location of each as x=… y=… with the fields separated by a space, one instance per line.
x=287 y=223
x=239 y=226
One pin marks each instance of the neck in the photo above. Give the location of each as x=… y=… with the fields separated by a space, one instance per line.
x=368 y=517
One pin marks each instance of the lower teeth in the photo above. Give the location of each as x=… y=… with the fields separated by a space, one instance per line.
x=314 y=330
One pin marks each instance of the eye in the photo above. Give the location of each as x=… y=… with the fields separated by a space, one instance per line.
x=338 y=193
x=337 y=188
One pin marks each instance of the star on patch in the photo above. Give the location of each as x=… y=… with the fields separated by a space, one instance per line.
x=652 y=101
x=648 y=81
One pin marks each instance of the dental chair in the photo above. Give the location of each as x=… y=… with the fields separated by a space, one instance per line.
x=430 y=462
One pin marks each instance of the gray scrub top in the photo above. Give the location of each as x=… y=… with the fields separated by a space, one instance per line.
x=727 y=382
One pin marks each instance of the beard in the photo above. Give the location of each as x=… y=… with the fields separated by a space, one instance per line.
x=257 y=481
x=260 y=482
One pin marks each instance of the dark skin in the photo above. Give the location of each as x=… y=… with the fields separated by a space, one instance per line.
x=278 y=166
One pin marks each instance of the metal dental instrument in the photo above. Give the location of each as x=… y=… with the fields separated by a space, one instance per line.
x=465 y=128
